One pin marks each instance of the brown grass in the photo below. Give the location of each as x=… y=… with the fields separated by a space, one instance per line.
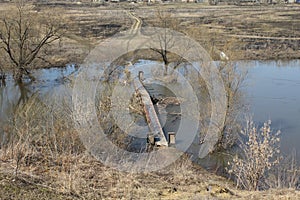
x=43 y=157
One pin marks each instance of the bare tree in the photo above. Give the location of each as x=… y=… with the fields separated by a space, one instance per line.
x=165 y=20
x=23 y=34
x=232 y=73
x=233 y=78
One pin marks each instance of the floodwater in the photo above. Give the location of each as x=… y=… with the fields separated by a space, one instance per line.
x=272 y=91
x=49 y=83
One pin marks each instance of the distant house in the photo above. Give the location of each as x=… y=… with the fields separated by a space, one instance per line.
x=188 y=1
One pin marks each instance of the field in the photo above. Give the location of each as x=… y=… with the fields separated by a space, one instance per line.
x=44 y=157
x=262 y=32
x=254 y=32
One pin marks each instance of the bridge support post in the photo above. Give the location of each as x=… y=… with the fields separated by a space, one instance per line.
x=171 y=138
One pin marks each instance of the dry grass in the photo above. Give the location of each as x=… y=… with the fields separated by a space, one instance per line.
x=82 y=30
x=269 y=32
x=43 y=157
x=264 y=32
x=43 y=151
x=89 y=179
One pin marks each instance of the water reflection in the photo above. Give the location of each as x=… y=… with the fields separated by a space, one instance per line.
x=273 y=90
x=274 y=93
x=14 y=94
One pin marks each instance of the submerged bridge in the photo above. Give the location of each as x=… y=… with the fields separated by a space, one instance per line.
x=157 y=136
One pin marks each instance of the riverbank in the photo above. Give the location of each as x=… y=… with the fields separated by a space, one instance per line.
x=243 y=32
x=86 y=178
x=41 y=155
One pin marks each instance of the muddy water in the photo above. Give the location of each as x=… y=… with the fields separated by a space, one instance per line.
x=272 y=90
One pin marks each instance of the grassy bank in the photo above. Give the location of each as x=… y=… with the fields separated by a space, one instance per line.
x=89 y=179
x=42 y=156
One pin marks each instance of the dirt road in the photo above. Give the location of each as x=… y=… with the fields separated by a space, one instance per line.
x=135 y=28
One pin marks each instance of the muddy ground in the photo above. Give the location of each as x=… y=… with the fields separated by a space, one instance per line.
x=248 y=32
x=251 y=32
x=245 y=32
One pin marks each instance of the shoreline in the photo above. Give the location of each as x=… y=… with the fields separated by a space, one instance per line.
x=263 y=35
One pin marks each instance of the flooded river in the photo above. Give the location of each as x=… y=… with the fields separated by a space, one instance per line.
x=272 y=91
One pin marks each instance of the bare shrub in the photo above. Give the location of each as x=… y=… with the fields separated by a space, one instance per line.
x=258 y=154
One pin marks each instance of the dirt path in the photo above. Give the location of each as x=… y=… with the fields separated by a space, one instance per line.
x=136 y=27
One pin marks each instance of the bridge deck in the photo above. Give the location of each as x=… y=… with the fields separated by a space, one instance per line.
x=151 y=116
